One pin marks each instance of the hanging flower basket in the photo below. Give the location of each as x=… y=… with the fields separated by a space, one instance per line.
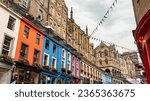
x=37 y=65
x=54 y=70
x=69 y=71
x=63 y=70
x=46 y=67
x=24 y=61
x=6 y=59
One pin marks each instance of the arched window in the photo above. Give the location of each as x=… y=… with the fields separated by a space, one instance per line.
x=100 y=62
x=106 y=61
x=106 y=53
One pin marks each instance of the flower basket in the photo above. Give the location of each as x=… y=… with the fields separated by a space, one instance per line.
x=54 y=70
x=6 y=59
x=46 y=67
x=24 y=61
x=37 y=65
x=69 y=71
x=63 y=70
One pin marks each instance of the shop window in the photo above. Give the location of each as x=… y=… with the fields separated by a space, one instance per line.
x=7 y=45
x=11 y=23
x=26 y=32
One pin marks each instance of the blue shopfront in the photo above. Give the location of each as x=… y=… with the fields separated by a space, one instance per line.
x=56 y=61
x=106 y=78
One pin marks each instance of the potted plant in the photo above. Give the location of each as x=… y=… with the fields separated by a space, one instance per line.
x=63 y=69
x=24 y=61
x=46 y=67
x=69 y=71
x=6 y=59
x=37 y=65
x=54 y=70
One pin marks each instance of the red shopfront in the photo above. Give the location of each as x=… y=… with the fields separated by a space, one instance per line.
x=142 y=38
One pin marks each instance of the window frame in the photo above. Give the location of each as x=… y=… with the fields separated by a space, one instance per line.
x=11 y=24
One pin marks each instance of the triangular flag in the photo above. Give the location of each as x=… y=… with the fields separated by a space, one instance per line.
x=101 y=22
x=107 y=12
x=111 y=7
x=116 y=1
x=105 y=16
x=113 y=4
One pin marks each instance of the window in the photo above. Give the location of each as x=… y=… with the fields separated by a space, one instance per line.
x=25 y=3
x=47 y=44
x=23 y=51
x=54 y=48
x=62 y=64
x=11 y=23
x=46 y=59
x=69 y=56
x=69 y=68
x=63 y=53
x=37 y=39
x=26 y=32
x=106 y=53
x=53 y=63
x=36 y=56
x=6 y=45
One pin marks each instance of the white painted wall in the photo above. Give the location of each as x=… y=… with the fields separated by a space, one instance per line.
x=5 y=13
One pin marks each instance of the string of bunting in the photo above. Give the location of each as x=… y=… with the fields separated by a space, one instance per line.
x=104 y=17
x=96 y=39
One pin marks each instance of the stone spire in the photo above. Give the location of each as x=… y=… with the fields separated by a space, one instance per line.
x=71 y=13
x=87 y=30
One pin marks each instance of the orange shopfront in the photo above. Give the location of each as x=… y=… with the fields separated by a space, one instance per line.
x=142 y=38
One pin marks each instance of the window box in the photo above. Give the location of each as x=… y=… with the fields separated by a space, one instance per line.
x=24 y=61
x=6 y=59
x=46 y=67
x=63 y=70
x=37 y=65
x=69 y=71
x=54 y=70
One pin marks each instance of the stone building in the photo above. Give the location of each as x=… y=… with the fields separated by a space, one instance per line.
x=52 y=13
x=107 y=58
x=79 y=39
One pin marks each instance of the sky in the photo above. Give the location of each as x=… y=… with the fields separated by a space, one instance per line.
x=117 y=27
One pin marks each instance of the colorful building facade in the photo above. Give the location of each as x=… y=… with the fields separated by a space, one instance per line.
x=28 y=55
x=75 y=69
x=57 y=58
x=142 y=32
x=9 y=28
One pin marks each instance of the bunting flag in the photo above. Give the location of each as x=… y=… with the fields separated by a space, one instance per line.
x=97 y=39
x=104 y=17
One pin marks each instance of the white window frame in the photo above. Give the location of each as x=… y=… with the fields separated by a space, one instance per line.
x=47 y=59
x=25 y=3
x=64 y=64
x=69 y=68
x=55 y=62
x=64 y=56
x=11 y=22
x=69 y=56
x=11 y=44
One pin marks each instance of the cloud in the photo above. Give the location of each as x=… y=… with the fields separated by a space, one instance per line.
x=117 y=28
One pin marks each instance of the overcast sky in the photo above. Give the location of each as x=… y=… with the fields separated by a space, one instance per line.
x=117 y=28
